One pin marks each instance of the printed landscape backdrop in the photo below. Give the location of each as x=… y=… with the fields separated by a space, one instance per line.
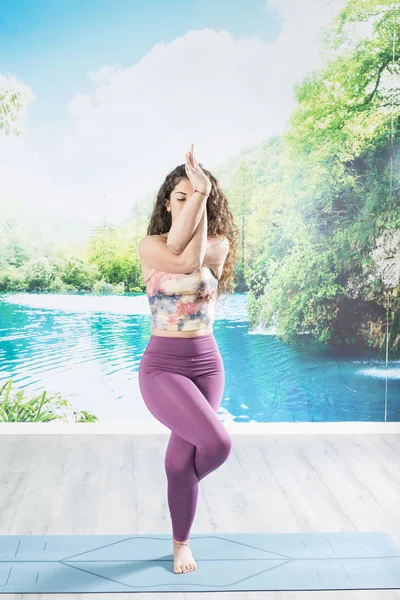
x=294 y=106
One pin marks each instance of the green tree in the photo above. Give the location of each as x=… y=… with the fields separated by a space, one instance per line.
x=10 y=105
x=115 y=256
x=340 y=188
x=240 y=194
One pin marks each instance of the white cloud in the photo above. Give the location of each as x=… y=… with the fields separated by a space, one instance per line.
x=204 y=87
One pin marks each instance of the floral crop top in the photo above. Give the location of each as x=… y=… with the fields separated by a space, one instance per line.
x=180 y=302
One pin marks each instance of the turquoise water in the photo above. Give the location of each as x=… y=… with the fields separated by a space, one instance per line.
x=88 y=348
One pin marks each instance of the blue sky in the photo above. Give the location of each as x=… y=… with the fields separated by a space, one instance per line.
x=52 y=44
x=119 y=89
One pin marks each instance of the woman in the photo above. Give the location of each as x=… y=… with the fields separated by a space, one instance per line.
x=185 y=260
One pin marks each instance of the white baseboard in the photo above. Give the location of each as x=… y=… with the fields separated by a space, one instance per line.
x=154 y=427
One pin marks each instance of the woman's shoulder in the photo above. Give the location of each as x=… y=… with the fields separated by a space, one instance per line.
x=157 y=235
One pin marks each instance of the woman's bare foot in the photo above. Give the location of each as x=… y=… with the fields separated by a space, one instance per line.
x=183 y=558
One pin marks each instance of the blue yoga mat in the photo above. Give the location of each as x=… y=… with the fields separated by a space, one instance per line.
x=40 y=564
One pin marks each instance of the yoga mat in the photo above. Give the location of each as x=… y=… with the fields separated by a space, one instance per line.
x=40 y=564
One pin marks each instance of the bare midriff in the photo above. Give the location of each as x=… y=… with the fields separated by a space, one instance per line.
x=186 y=334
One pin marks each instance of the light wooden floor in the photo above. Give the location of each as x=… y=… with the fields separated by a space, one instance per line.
x=116 y=484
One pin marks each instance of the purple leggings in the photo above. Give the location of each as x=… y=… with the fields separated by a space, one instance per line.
x=182 y=382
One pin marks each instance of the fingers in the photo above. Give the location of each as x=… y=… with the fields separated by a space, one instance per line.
x=191 y=164
x=189 y=170
x=192 y=160
x=188 y=163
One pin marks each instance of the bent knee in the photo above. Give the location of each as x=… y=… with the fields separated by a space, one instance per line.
x=227 y=444
x=221 y=445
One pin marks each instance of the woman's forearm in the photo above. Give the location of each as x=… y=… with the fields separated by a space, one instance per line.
x=197 y=245
x=186 y=223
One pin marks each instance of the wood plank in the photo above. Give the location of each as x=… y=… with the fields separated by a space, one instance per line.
x=107 y=484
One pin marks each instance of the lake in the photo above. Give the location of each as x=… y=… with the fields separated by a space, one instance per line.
x=89 y=348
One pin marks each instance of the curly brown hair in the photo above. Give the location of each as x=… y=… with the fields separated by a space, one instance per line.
x=220 y=220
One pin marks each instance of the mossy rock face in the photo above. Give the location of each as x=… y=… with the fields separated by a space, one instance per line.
x=386 y=257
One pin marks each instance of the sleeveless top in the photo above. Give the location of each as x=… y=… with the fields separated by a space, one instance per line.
x=181 y=302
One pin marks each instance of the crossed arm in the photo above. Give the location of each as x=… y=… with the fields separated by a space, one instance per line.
x=190 y=227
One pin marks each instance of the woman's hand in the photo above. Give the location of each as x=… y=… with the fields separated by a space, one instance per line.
x=195 y=174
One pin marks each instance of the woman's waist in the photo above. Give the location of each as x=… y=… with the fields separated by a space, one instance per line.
x=182 y=345
x=182 y=333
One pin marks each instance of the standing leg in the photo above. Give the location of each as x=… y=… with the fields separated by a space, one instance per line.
x=178 y=403
x=183 y=485
x=181 y=456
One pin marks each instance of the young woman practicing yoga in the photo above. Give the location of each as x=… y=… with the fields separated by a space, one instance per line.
x=186 y=257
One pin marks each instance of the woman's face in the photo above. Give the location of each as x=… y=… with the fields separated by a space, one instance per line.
x=178 y=197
